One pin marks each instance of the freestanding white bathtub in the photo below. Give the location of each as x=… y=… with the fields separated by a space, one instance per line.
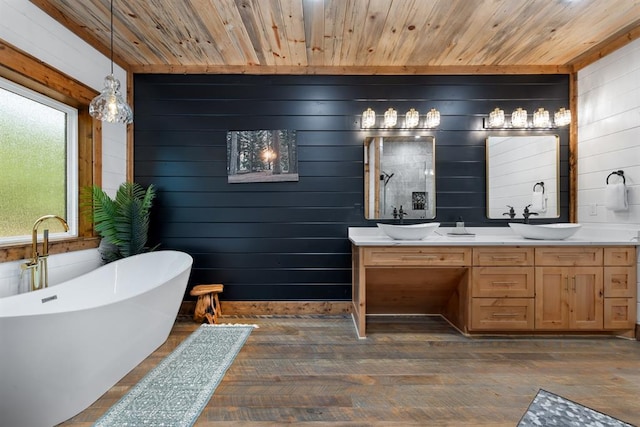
x=62 y=347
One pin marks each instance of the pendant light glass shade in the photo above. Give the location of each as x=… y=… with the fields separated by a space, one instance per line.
x=110 y=106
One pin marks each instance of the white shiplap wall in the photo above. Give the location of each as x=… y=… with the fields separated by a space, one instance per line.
x=609 y=137
x=28 y=28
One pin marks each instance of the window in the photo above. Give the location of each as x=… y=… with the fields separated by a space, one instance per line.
x=38 y=162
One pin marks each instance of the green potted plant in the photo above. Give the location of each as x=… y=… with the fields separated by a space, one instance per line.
x=122 y=222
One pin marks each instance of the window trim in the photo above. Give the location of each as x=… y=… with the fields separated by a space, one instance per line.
x=31 y=73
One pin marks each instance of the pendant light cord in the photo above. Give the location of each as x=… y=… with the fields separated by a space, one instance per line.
x=111 y=36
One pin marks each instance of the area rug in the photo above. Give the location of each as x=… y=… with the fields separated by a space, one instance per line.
x=175 y=391
x=548 y=409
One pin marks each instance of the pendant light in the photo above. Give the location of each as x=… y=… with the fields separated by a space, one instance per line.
x=110 y=106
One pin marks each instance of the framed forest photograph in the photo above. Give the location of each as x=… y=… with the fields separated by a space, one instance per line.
x=262 y=156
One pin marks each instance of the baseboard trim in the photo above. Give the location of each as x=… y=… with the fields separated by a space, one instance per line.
x=262 y=308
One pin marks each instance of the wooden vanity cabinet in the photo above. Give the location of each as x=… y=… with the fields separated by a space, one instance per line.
x=479 y=289
x=556 y=288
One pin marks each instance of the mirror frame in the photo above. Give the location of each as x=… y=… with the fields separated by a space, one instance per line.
x=557 y=172
x=376 y=182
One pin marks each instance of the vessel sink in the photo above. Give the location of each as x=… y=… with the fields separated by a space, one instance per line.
x=409 y=231
x=558 y=231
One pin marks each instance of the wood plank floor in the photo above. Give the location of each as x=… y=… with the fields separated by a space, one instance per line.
x=413 y=371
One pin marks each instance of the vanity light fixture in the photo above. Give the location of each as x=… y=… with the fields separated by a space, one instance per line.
x=110 y=106
x=433 y=118
x=541 y=118
x=519 y=118
x=496 y=118
x=390 y=118
x=411 y=118
x=368 y=118
x=562 y=117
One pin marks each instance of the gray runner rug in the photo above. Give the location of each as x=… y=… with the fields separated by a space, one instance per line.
x=175 y=392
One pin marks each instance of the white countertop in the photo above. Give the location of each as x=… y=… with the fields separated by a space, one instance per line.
x=496 y=236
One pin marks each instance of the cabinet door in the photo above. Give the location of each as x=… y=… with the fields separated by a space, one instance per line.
x=552 y=305
x=585 y=298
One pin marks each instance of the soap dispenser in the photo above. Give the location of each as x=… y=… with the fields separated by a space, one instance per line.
x=460 y=229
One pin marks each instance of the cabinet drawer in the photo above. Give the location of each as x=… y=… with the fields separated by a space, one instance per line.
x=499 y=282
x=620 y=256
x=560 y=256
x=619 y=313
x=620 y=282
x=416 y=256
x=503 y=256
x=502 y=314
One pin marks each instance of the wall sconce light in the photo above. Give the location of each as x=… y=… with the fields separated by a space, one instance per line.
x=562 y=117
x=412 y=118
x=496 y=118
x=541 y=118
x=368 y=118
x=433 y=118
x=519 y=118
x=390 y=118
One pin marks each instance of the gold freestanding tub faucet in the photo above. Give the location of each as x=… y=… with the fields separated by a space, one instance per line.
x=38 y=262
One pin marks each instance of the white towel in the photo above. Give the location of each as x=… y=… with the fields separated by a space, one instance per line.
x=538 y=202
x=616 y=197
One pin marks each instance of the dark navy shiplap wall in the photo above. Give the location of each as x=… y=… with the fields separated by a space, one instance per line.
x=288 y=241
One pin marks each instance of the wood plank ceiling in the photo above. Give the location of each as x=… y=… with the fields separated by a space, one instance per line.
x=352 y=36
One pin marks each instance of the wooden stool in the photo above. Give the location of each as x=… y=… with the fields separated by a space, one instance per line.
x=208 y=305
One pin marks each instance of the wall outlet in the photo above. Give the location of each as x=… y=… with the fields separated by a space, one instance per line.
x=593 y=209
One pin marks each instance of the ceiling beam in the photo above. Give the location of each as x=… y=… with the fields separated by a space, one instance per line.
x=615 y=42
x=351 y=70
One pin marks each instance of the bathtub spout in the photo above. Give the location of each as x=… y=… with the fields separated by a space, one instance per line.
x=37 y=265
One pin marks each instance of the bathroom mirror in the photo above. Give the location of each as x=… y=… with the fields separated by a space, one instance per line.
x=522 y=171
x=399 y=173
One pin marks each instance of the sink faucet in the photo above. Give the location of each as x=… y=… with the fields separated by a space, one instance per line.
x=38 y=262
x=511 y=213
x=526 y=214
x=399 y=214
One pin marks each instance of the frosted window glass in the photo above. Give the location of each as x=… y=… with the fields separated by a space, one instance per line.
x=33 y=164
